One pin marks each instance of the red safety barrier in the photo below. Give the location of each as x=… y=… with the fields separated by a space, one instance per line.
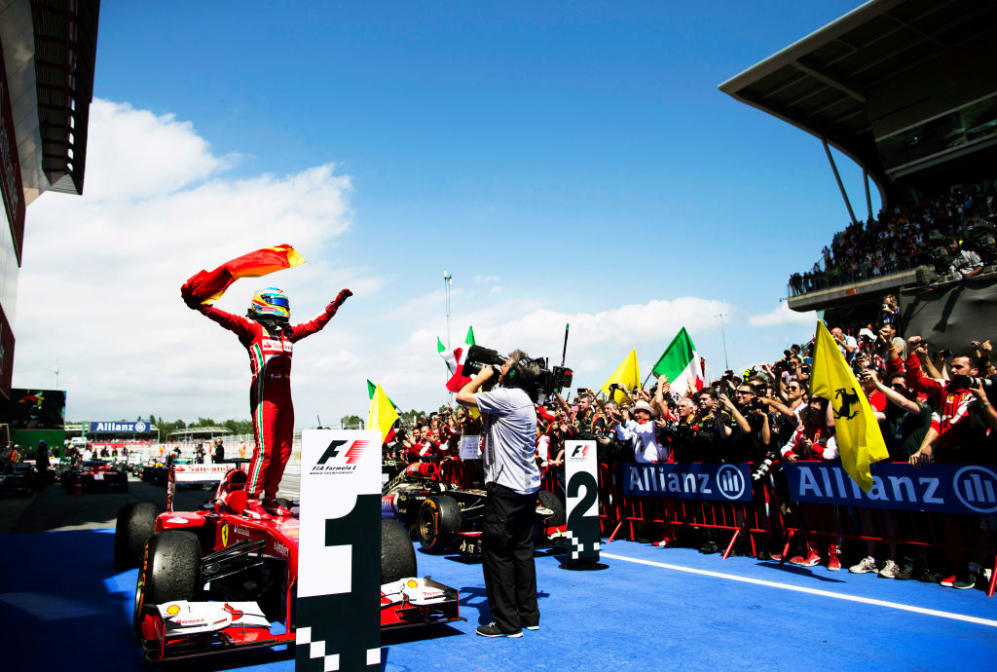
x=763 y=516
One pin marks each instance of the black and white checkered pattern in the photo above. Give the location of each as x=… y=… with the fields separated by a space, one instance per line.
x=578 y=546
x=303 y=637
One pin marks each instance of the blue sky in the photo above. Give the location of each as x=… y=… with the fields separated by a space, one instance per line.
x=572 y=157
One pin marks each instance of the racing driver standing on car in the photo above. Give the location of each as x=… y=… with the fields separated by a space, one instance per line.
x=269 y=338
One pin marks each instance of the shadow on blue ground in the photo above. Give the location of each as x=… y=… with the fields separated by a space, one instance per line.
x=63 y=606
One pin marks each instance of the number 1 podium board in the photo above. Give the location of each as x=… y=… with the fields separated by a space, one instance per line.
x=582 y=504
x=339 y=552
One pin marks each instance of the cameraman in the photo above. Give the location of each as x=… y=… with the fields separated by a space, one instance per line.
x=511 y=481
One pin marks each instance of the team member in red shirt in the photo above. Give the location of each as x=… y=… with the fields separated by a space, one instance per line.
x=269 y=338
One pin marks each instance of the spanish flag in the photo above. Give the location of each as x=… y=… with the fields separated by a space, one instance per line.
x=626 y=374
x=855 y=427
x=382 y=413
x=208 y=286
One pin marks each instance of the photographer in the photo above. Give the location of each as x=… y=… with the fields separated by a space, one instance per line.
x=511 y=481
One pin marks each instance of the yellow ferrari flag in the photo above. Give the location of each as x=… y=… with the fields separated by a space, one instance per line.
x=382 y=413
x=855 y=427
x=627 y=374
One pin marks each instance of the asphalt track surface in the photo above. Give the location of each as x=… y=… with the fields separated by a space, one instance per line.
x=63 y=606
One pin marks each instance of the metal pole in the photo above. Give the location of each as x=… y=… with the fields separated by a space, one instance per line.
x=447 y=282
x=868 y=198
x=841 y=187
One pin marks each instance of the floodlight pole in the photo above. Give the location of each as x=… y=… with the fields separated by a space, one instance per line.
x=723 y=337
x=447 y=283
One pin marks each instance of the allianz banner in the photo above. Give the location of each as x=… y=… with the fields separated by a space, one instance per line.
x=697 y=480
x=948 y=488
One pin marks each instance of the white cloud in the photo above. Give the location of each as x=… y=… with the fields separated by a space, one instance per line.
x=782 y=315
x=598 y=341
x=99 y=289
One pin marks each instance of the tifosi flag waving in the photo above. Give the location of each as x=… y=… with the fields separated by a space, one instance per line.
x=627 y=374
x=208 y=286
x=855 y=427
x=458 y=379
x=681 y=364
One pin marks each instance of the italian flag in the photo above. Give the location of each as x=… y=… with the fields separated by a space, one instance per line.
x=450 y=358
x=458 y=379
x=681 y=364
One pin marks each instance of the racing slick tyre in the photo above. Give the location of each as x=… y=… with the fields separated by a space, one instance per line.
x=439 y=521
x=173 y=569
x=133 y=528
x=397 y=553
x=549 y=500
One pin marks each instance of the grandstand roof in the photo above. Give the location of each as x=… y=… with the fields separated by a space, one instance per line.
x=823 y=83
x=208 y=432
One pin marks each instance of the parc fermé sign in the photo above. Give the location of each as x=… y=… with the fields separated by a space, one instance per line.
x=730 y=482
x=582 y=500
x=943 y=488
x=338 y=623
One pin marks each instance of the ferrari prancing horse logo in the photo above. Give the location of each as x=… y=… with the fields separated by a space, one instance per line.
x=848 y=398
x=224 y=535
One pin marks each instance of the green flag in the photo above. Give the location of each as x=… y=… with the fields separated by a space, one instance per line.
x=372 y=389
x=680 y=363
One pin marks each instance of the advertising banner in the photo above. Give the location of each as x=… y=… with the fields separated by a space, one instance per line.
x=582 y=500
x=34 y=409
x=946 y=488
x=729 y=482
x=201 y=473
x=339 y=552
x=112 y=427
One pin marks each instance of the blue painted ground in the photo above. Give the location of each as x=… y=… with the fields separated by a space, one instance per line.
x=63 y=606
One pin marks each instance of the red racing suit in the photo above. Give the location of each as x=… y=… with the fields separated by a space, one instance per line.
x=270 y=391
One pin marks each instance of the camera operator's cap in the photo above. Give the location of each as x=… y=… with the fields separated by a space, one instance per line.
x=643 y=406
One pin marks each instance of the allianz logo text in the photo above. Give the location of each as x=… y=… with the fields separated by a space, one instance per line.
x=727 y=482
x=944 y=487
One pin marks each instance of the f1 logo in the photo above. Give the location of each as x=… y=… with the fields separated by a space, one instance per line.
x=580 y=450
x=331 y=451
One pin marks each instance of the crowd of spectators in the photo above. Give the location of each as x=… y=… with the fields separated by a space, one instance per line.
x=951 y=232
x=931 y=405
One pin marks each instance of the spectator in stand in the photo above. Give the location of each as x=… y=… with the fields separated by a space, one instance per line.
x=847 y=344
x=965 y=263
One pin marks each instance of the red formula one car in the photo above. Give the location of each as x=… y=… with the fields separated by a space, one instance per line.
x=96 y=476
x=216 y=580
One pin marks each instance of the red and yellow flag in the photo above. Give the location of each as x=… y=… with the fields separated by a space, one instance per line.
x=208 y=286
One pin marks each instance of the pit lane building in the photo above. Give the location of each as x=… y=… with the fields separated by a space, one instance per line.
x=46 y=86
x=908 y=90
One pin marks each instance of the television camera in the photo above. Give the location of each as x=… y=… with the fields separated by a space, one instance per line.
x=530 y=374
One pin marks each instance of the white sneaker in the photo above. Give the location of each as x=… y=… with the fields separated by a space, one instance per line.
x=889 y=570
x=866 y=565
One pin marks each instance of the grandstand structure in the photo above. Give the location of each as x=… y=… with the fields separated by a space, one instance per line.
x=906 y=89
x=46 y=86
